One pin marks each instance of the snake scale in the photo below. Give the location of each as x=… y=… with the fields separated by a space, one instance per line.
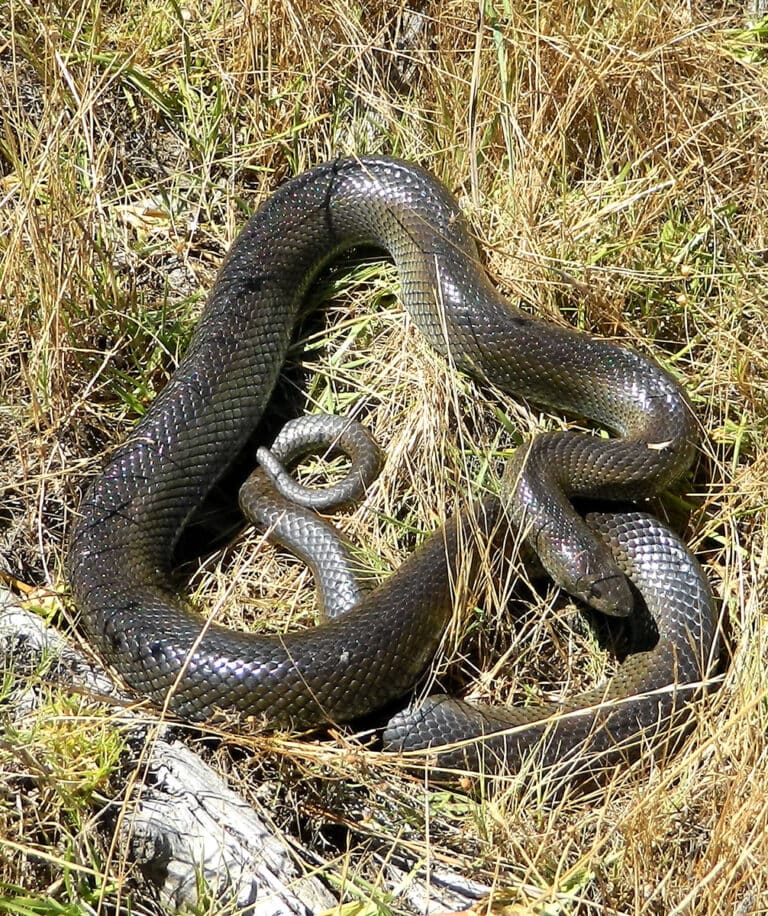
x=121 y=547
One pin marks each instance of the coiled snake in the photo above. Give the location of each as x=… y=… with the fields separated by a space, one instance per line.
x=120 y=553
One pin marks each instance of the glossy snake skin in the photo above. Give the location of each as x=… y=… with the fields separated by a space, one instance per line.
x=121 y=548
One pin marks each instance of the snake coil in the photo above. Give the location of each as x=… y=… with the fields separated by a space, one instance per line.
x=121 y=548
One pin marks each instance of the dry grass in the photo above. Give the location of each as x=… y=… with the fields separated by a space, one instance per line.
x=613 y=158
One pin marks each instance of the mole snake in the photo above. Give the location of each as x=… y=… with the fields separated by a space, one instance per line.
x=121 y=547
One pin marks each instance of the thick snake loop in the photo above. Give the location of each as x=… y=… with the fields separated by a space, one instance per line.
x=121 y=549
x=672 y=637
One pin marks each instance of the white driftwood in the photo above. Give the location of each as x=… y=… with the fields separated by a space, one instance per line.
x=188 y=820
x=442 y=892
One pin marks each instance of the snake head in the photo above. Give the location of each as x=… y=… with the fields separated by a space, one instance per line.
x=607 y=592
x=585 y=567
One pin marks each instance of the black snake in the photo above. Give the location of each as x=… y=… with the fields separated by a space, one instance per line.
x=121 y=548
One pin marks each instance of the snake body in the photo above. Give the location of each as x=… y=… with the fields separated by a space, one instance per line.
x=121 y=548
x=672 y=637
